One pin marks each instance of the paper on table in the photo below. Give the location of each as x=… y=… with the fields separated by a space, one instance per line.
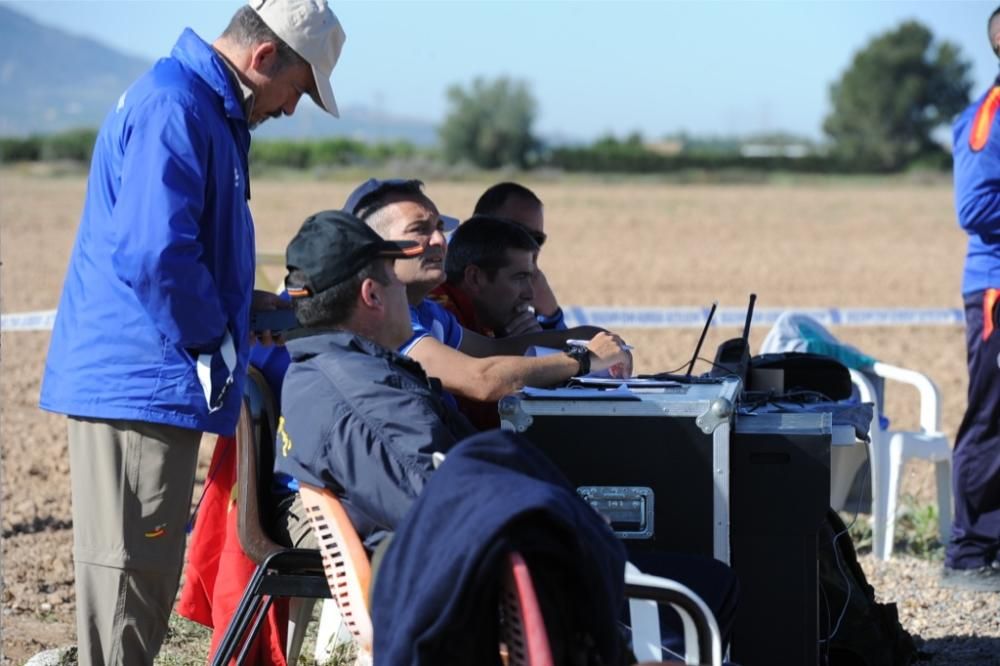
x=631 y=382
x=579 y=393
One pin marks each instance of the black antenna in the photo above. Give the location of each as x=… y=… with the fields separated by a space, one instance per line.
x=746 y=324
x=704 y=331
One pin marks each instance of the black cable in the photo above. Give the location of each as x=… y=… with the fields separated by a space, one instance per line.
x=666 y=372
x=824 y=646
x=836 y=551
x=721 y=367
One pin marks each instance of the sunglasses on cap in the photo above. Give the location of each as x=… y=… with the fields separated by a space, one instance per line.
x=539 y=236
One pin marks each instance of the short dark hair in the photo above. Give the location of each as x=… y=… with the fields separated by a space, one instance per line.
x=248 y=29
x=332 y=307
x=483 y=241
x=369 y=207
x=493 y=199
x=993 y=30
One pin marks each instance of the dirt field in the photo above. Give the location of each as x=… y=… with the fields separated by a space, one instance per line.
x=842 y=243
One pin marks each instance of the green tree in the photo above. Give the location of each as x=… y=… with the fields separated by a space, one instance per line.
x=898 y=89
x=490 y=124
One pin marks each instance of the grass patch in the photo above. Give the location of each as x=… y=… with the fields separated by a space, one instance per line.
x=187 y=644
x=916 y=531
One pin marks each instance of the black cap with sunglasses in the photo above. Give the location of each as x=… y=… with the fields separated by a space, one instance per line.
x=333 y=246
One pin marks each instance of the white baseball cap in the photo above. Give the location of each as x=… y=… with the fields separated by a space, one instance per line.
x=313 y=31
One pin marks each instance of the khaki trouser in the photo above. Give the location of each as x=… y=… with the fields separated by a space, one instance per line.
x=132 y=484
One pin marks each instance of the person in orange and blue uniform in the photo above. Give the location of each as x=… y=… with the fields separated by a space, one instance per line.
x=972 y=558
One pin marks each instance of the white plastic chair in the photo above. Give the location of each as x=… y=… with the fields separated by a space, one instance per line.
x=888 y=452
x=702 y=639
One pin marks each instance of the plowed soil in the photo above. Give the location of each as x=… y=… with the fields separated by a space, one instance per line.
x=847 y=243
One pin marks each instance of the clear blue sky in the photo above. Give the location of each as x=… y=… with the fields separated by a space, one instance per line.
x=657 y=67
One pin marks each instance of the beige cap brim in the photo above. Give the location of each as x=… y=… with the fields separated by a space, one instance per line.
x=313 y=31
x=326 y=100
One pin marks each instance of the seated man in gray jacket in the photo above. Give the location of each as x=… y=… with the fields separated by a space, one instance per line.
x=357 y=417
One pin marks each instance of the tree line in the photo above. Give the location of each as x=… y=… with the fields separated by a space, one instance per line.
x=897 y=91
x=885 y=108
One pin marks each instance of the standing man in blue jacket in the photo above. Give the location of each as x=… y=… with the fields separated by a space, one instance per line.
x=972 y=558
x=153 y=328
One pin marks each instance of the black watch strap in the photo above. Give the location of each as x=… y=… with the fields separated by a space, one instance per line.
x=581 y=355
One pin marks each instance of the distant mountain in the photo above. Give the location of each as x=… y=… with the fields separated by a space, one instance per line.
x=358 y=122
x=51 y=81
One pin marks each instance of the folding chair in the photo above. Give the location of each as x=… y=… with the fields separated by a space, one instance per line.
x=281 y=572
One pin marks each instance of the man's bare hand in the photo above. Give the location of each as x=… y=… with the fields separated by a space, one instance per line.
x=608 y=352
x=545 y=301
x=523 y=322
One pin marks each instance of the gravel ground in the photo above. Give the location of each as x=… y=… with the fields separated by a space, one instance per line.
x=951 y=626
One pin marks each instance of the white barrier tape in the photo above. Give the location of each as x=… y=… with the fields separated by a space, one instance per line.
x=28 y=321
x=612 y=318
x=684 y=317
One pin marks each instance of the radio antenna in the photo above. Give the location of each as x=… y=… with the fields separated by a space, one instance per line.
x=704 y=332
x=746 y=324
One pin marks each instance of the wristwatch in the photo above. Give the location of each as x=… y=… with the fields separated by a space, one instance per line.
x=581 y=355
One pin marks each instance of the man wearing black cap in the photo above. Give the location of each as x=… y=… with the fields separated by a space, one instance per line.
x=356 y=417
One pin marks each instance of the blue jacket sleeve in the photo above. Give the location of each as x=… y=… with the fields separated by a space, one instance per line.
x=158 y=221
x=977 y=181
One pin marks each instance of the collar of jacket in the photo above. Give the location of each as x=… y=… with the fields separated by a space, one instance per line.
x=246 y=95
x=198 y=55
x=325 y=341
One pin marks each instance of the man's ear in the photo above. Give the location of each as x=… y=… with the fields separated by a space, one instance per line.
x=371 y=294
x=474 y=277
x=262 y=58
